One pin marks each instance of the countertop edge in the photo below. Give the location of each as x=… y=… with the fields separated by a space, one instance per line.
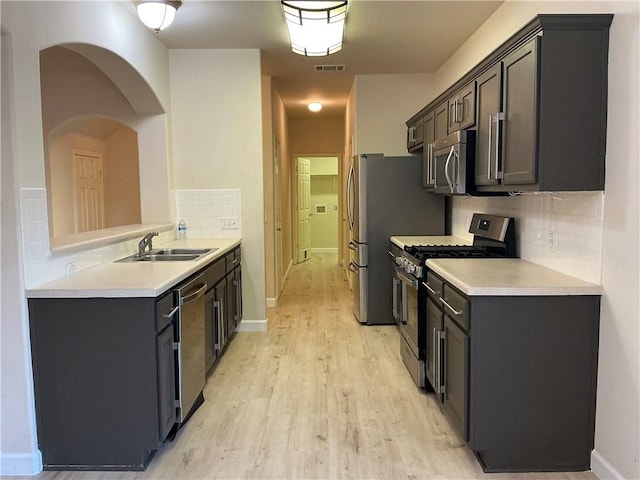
x=49 y=289
x=582 y=288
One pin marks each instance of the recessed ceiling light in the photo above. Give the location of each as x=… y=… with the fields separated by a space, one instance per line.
x=315 y=106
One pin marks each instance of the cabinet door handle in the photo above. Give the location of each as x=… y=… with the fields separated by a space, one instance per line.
x=412 y=137
x=431 y=290
x=429 y=164
x=436 y=362
x=216 y=306
x=489 y=148
x=499 y=117
x=442 y=337
x=172 y=312
x=236 y=315
x=455 y=312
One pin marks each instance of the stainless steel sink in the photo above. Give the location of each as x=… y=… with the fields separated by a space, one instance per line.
x=168 y=255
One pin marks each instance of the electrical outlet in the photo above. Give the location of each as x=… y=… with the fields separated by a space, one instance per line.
x=229 y=223
x=71 y=267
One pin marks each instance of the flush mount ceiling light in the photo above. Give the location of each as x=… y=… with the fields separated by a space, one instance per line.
x=157 y=14
x=315 y=106
x=315 y=28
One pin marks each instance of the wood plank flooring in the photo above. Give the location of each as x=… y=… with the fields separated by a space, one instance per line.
x=317 y=396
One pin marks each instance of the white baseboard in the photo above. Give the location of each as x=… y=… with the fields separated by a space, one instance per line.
x=323 y=250
x=272 y=302
x=603 y=469
x=20 y=463
x=253 y=325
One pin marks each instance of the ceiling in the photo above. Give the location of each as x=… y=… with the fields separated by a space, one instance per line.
x=381 y=37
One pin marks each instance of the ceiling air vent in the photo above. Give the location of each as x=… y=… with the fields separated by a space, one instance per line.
x=329 y=68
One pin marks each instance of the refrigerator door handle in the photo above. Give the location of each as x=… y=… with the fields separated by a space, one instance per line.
x=350 y=198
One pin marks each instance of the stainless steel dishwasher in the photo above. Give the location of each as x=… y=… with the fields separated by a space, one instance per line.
x=190 y=345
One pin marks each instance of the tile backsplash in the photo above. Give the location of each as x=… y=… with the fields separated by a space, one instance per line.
x=210 y=213
x=202 y=210
x=560 y=231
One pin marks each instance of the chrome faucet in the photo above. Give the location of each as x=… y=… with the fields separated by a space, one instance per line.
x=146 y=242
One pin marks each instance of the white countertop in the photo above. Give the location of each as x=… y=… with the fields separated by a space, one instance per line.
x=133 y=279
x=508 y=277
x=402 y=241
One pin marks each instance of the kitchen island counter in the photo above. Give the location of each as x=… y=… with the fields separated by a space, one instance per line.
x=133 y=279
x=508 y=277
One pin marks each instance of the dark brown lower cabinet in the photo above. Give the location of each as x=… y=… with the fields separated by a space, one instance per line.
x=518 y=376
x=456 y=375
x=104 y=378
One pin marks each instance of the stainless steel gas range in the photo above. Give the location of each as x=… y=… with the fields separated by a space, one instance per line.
x=493 y=238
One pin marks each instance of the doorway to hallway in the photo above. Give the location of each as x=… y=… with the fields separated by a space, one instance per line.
x=318 y=206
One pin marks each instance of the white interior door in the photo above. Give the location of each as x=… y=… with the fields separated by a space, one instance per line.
x=89 y=191
x=304 y=208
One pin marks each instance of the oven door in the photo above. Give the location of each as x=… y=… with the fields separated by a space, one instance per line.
x=409 y=328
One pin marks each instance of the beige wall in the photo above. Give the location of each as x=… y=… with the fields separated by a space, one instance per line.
x=280 y=132
x=316 y=136
x=383 y=104
x=617 y=444
x=217 y=143
x=121 y=179
x=324 y=226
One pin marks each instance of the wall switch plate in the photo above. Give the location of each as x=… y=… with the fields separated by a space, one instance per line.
x=229 y=223
x=71 y=267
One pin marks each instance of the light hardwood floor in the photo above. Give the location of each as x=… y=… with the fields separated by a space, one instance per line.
x=317 y=396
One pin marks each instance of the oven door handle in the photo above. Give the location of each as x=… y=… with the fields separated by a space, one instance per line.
x=411 y=282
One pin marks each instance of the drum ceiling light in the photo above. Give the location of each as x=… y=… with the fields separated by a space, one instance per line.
x=315 y=28
x=157 y=14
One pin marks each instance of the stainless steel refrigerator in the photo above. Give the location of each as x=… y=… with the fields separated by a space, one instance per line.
x=385 y=198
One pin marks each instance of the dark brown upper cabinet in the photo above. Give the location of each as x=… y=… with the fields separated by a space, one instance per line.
x=461 y=112
x=540 y=107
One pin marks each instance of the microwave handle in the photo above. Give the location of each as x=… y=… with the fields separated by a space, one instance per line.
x=446 y=168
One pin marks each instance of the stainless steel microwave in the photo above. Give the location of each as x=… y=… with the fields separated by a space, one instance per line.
x=451 y=166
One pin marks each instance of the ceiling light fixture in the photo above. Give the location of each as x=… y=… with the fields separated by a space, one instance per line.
x=157 y=14
x=315 y=106
x=315 y=28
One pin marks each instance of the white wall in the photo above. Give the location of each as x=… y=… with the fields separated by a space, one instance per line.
x=31 y=27
x=592 y=229
x=217 y=143
x=383 y=103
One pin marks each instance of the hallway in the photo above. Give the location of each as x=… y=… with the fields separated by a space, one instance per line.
x=317 y=396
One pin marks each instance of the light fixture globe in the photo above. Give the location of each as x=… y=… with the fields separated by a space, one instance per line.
x=315 y=28
x=314 y=106
x=157 y=14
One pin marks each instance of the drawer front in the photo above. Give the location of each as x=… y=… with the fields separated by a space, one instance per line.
x=233 y=259
x=164 y=306
x=456 y=306
x=214 y=273
x=433 y=285
x=415 y=366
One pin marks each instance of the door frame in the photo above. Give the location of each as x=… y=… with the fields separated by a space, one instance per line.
x=294 y=199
